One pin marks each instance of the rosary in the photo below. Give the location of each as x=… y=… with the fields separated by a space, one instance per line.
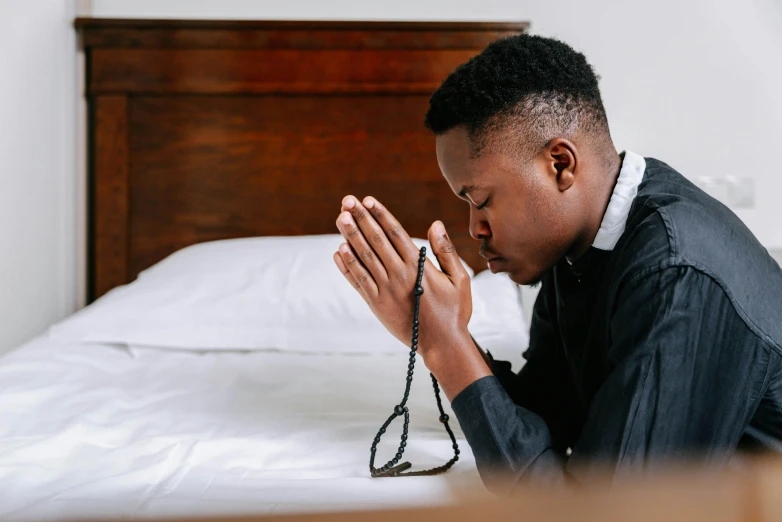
x=391 y=469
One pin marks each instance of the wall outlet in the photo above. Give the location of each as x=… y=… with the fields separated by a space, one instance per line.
x=733 y=191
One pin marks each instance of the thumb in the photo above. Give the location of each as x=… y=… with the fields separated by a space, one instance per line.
x=443 y=249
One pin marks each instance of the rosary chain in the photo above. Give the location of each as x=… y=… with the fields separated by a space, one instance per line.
x=391 y=469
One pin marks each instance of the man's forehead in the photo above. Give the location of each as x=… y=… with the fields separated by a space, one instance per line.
x=454 y=158
x=463 y=173
x=454 y=143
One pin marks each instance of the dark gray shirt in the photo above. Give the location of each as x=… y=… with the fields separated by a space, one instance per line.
x=669 y=346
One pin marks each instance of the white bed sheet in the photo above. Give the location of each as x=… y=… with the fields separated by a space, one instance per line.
x=106 y=431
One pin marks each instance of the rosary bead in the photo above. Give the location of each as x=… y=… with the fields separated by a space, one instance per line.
x=402 y=444
x=444 y=418
x=410 y=366
x=456 y=451
x=397 y=457
x=418 y=290
x=382 y=430
x=455 y=446
x=398 y=409
x=415 y=323
x=404 y=436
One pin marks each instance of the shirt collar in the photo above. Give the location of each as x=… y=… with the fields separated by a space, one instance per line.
x=613 y=225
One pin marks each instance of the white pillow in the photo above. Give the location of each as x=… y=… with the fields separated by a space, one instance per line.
x=498 y=323
x=279 y=293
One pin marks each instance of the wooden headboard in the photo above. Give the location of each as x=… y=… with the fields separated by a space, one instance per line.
x=204 y=130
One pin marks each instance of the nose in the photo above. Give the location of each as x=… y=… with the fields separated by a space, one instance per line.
x=479 y=227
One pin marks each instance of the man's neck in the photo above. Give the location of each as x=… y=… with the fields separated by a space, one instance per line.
x=605 y=182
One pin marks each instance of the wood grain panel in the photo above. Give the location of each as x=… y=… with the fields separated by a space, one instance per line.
x=110 y=216
x=271 y=71
x=215 y=167
x=226 y=34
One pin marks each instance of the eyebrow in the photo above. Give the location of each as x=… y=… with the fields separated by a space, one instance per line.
x=466 y=190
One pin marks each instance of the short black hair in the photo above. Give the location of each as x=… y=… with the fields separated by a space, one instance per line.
x=541 y=83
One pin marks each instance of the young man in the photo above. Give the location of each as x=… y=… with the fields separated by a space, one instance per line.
x=657 y=333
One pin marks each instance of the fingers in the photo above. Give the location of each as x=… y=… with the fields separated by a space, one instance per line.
x=443 y=249
x=368 y=257
x=346 y=272
x=374 y=236
x=356 y=273
x=393 y=230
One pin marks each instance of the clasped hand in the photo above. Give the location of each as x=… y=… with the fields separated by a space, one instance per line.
x=381 y=262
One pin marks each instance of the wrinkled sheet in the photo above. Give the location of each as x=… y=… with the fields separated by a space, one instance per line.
x=106 y=431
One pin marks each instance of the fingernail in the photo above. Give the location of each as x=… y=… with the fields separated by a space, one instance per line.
x=369 y=202
x=439 y=229
x=349 y=203
x=345 y=218
x=343 y=248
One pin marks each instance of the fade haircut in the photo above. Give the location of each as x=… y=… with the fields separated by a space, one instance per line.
x=538 y=88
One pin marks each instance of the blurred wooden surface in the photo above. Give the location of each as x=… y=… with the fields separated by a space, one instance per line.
x=204 y=130
x=751 y=494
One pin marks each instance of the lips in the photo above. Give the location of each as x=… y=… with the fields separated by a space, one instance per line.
x=492 y=259
x=487 y=254
x=494 y=264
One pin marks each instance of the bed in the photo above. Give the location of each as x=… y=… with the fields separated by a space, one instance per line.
x=202 y=133
x=97 y=431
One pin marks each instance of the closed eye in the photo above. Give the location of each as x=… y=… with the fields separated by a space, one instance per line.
x=482 y=205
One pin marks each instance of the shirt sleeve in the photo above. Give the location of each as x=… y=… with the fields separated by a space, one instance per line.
x=515 y=423
x=544 y=384
x=684 y=375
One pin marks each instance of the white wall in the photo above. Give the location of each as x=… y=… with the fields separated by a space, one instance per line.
x=37 y=167
x=696 y=83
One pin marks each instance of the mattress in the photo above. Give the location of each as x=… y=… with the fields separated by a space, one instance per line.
x=107 y=431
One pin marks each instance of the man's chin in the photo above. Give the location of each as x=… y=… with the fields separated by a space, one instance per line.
x=525 y=278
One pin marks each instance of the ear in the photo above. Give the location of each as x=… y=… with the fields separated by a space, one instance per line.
x=562 y=157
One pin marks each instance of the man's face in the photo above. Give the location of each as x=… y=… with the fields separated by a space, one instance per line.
x=517 y=210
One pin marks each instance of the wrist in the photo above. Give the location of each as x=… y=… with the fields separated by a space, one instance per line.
x=439 y=351
x=455 y=363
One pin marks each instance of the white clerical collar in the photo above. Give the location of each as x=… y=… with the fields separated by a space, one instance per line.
x=615 y=218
